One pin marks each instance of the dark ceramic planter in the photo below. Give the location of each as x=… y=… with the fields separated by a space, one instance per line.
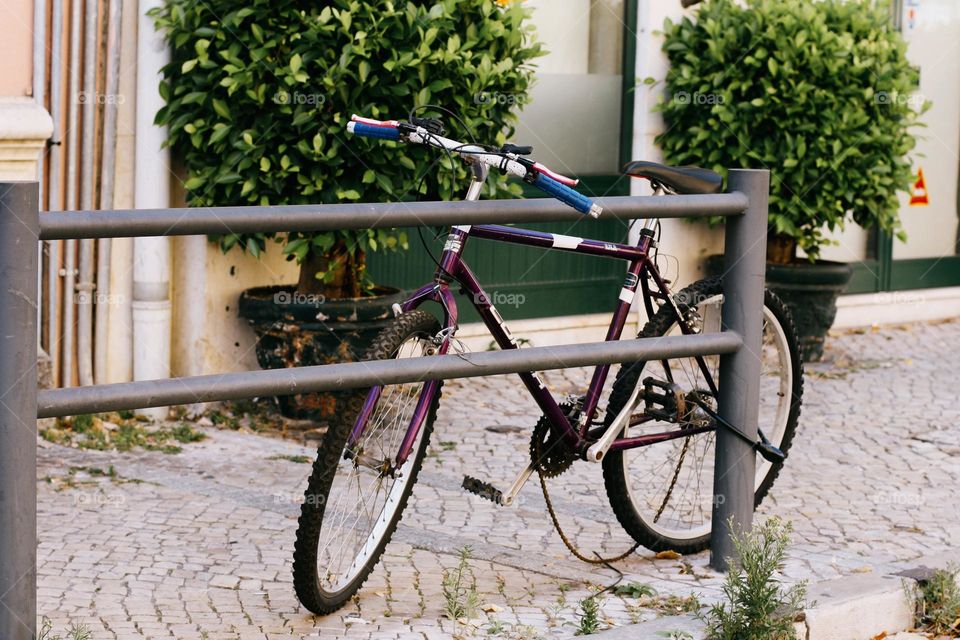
x=294 y=330
x=810 y=291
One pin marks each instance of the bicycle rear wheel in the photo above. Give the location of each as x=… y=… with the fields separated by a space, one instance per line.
x=356 y=495
x=662 y=493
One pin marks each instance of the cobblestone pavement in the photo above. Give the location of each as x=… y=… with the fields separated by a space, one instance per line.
x=199 y=544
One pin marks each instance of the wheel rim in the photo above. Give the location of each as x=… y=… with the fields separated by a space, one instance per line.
x=673 y=500
x=364 y=497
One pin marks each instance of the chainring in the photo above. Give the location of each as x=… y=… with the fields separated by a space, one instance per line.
x=549 y=453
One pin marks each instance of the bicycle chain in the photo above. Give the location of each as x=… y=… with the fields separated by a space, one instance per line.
x=535 y=450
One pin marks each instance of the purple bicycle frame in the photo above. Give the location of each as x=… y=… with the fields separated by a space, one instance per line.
x=453 y=267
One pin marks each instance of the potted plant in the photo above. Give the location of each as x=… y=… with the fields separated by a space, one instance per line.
x=820 y=94
x=258 y=97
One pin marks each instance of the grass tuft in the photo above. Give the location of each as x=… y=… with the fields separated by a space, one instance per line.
x=460 y=588
x=937 y=603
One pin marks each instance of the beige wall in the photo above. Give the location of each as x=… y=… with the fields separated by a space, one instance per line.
x=16 y=47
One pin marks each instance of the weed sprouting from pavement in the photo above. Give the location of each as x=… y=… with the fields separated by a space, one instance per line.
x=75 y=632
x=589 y=616
x=757 y=606
x=119 y=432
x=634 y=590
x=460 y=588
x=937 y=602
x=291 y=458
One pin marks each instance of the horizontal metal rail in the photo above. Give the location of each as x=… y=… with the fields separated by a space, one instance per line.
x=277 y=382
x=21 y=225
x=122 y=223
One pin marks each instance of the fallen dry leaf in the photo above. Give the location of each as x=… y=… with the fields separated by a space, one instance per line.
x=668 y=555
x=490 y=608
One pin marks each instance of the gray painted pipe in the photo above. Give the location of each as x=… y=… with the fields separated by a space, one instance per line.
x=107 y=175
x=56 y=189
x=122 y=223
x=73 y=158
x=329 y=377
x=86 y=287
x=39 y=95
x=738 y=401
x=19 y=262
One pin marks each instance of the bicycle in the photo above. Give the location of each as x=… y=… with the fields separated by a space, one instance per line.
x=654 y=439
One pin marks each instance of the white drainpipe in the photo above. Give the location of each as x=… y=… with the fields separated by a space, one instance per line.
x=151 y=256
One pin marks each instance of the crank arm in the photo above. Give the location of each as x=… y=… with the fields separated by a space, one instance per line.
x=514 y=489
x=489 y=492
x=599 y=448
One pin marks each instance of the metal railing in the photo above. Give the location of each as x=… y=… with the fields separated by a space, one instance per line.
x=21 y=226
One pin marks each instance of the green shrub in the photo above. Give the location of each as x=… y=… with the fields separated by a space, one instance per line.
x=937 y=603
x=259 y=93
x=819 y=93
x=757 y=606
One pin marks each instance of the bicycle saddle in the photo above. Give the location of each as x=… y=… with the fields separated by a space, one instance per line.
x=685 y=180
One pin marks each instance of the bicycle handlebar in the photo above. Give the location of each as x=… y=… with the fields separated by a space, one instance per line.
x=568 y=196
x=535 y=173
x=373 y=131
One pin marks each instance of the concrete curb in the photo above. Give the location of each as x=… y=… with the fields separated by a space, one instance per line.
x=858 y=607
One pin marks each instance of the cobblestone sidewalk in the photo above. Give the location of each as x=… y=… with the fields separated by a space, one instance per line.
x=198 y=545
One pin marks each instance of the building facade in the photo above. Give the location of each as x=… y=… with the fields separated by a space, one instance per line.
x=588 y=114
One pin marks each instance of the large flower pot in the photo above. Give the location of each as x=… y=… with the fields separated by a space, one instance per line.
x=295 y=330
x=810 y=291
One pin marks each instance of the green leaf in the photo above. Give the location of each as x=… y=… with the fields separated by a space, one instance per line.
x=221 y=108
x=295 y=63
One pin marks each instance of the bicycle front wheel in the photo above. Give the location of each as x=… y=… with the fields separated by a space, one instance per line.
x=356 y=494
x=662 y=493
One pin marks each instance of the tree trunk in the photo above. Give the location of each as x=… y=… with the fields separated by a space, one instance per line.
x=346 y=269
x=781 y=249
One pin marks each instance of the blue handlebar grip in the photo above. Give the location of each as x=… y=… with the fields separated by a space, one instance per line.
x=370 y=131
x=566 y=195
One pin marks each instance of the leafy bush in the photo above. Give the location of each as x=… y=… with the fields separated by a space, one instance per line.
x=757 y=607
x=819 y=93
x=259 y=93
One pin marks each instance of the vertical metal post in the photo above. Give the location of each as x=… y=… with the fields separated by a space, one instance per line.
x=743 y=283
x=19 y=261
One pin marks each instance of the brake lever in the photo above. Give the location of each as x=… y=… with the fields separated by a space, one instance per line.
x=517 y=149
x=433 y=125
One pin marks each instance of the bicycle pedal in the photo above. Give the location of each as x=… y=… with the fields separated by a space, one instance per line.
x=483 y=489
